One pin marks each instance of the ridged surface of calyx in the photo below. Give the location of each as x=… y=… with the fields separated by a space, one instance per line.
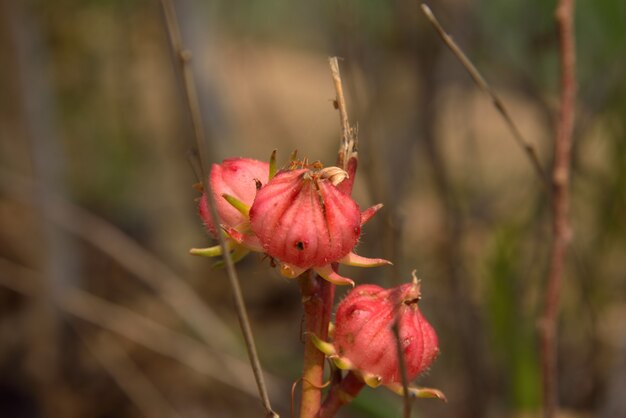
x=363 y=333
x=304 y=220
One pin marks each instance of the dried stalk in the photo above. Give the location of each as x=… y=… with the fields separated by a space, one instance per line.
x=183 y=58
x=560 y=204
x=527 y=147
x=349 y=141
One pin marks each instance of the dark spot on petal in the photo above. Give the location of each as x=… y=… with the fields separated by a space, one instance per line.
x=300 y=245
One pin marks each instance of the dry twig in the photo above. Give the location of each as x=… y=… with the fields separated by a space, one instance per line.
x=528 y=148
x=183 y=58
x=349 y=143
x=560 y=204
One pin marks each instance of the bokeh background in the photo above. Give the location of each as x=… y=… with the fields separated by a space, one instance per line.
x=104 y=314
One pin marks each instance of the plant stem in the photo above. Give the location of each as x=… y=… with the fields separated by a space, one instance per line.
x=341 y=395
x=317 y=299
x=560 y=204
x=183 y=57
x=318 y=295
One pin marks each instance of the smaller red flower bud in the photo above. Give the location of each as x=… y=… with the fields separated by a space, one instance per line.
x=365 y=342
x=236 y=177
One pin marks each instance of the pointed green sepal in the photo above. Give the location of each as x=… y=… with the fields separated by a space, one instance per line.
x=323 y=346
x=417 y=392
x=342 y=363
x=237 y=204
x=331 y=329
x=352 y=259
x=272 y=165
x=214 y=251
x=332 y=276
x=372 y=380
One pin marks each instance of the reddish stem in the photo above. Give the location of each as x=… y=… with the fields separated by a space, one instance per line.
x=318 y=295
x=560 y=204
x=341 y=394
x=317 y=299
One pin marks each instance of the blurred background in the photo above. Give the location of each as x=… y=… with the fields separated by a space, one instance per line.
x=104 y=314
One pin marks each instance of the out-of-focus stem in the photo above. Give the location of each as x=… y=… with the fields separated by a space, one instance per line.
x=560 y=204
x=528 y=147
x=341 y=394
x=193 y=106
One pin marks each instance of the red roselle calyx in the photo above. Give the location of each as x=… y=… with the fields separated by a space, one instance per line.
x=363 y=340
x=303 y=221
x=234 y=184
x=235 y=177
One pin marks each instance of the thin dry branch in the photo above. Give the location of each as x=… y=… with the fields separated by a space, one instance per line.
x=183 y=58
x=527 y=147
x=560 y=204
x=349 y=143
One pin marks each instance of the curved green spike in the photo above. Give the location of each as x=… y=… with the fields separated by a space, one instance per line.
x=323 y=346
x=332 y=276
x=331 y=329
x=417 y=392
x=272 y=165
x=237 y=204
x=352 y=259
x=372 y=380
x=342 y=363
x=214 y=251
x=427 y=393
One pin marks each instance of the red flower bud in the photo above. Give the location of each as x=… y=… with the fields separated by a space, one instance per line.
x=236 y=177
x=364 y=340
